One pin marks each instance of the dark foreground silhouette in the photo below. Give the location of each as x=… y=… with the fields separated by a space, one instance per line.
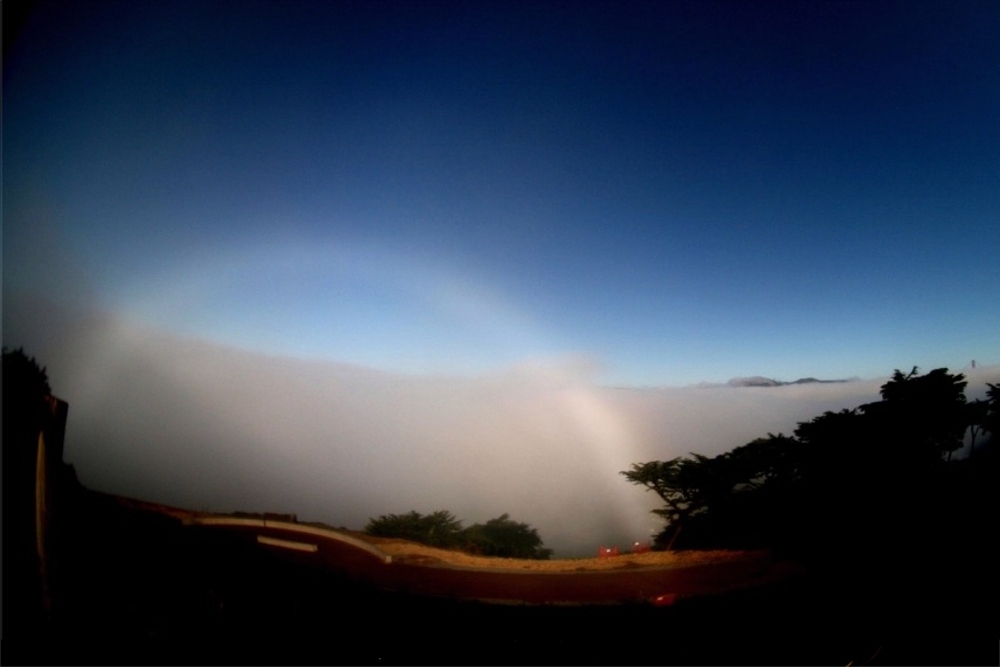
x=138 y=587
x=89 y=579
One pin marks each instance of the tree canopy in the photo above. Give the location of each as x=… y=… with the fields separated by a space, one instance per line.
x=25 y=386
x=878 y=473
x=505 y=538
x=25 y=382
x=501 y=536
x=437 y=529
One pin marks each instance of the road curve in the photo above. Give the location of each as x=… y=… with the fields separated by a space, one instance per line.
x=365 y=562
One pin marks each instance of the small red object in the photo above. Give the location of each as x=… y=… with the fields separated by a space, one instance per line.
x=665 y=600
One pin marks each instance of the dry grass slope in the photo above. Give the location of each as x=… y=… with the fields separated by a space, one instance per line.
x=412 y=552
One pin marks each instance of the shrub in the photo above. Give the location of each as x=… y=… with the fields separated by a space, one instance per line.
x=438 y=529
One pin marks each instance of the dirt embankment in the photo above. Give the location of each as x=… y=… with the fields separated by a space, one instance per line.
x=411 y=552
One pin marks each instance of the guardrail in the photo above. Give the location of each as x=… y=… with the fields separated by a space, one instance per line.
x=290 y=527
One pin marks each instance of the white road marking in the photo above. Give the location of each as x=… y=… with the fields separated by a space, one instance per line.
x=291 y=527
x=287 y=544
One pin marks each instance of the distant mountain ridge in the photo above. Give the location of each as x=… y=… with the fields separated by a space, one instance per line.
x=760 y=381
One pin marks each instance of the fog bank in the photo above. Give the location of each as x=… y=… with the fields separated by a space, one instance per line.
x=194 y=424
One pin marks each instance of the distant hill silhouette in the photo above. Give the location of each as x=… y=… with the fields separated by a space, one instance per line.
x=760 y=381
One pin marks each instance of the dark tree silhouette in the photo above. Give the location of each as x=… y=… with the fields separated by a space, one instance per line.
x=976 y=418
x=877 y=475
x=687 y=486
x=497 y=537
x=664 y=479
x=923 y=417
x=774 y=460
x=25 y=386
x=33 y=483
x=504 y=538
x=731 y=499
x=991 y=421
x=438 y=529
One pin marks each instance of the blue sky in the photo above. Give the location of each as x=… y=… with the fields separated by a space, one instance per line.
x=347 y=259
x=676 y=192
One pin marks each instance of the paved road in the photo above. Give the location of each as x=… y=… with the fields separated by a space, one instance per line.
x=339 y=552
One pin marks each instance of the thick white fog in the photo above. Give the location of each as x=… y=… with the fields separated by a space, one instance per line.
x=193 y=424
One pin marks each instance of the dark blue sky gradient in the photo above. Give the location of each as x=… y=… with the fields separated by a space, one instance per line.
x=682 y=191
